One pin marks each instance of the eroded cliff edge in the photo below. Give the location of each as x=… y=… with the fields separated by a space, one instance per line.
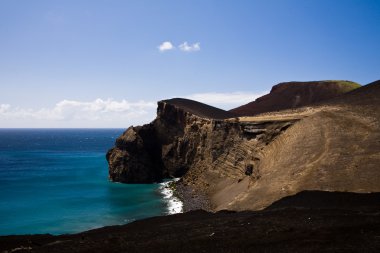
x=247 y=163
x=180 y=140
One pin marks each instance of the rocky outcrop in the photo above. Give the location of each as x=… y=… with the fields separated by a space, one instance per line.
x=184 y=137
x=136 y=157
x=247 y=163
x=295 y=94
x=166 y=147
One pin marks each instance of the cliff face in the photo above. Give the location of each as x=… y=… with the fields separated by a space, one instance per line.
x=178 y=141
x=164 y=148
x=135 y=157
x=250 y=162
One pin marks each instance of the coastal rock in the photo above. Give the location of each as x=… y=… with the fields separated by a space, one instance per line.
x=179 y=140
x=135 y=159
x=331 y=146
x=164 y=148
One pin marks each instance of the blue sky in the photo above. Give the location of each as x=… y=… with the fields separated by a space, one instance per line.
x=98 y=63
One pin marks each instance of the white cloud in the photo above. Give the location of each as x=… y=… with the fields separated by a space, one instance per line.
x=71 y=113
x=226 y=100
x=165 y=46
x=107 y=112
x=190 y=48
x=4 y=108
x=184 y=47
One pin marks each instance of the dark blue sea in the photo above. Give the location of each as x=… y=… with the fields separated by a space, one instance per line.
x=56 y=181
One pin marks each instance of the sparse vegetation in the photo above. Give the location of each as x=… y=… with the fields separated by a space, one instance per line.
x=347 y=86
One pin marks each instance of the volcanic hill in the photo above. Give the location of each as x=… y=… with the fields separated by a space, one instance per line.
x=247 y=163
x=295 y=94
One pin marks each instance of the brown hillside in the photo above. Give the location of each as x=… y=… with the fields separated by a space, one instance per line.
x=295 y=94
x=335 y=147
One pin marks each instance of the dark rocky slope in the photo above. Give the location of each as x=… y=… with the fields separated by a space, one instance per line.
x=335 y=222
x=295 y=94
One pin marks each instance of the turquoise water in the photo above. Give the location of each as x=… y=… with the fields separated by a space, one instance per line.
x=55 y=181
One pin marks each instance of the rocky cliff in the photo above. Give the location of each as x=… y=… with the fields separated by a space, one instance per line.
x=250 y=162
x=165 y=148
x=179 y=141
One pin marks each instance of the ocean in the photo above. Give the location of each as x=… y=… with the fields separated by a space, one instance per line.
x=56 y=181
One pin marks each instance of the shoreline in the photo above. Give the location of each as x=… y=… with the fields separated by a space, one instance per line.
x=191 y=198
x=182 y=198
x=174 y=204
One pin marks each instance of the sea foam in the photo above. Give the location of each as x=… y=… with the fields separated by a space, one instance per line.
x=174 y=204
